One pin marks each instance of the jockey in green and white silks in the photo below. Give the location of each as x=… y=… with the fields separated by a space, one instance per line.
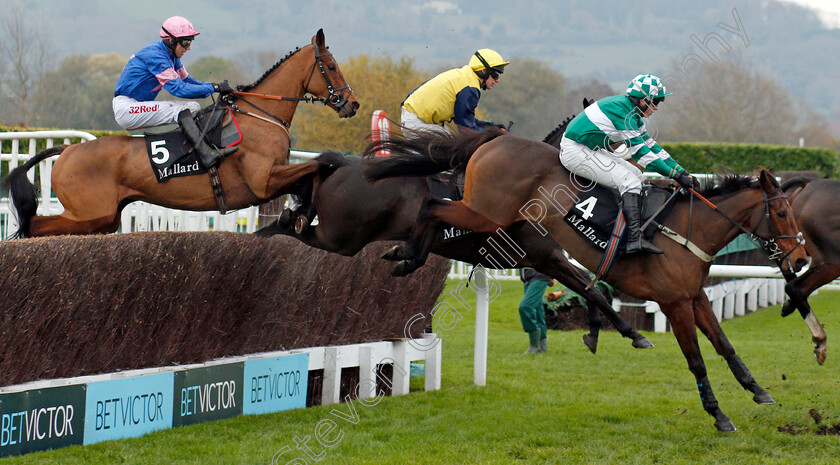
x=617 y=122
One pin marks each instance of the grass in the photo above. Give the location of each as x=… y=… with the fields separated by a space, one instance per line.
x=621 y=406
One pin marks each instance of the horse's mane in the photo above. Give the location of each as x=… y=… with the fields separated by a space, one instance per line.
x=557 y=132
x=243 y=88
x=725 y=183
x=553 y=138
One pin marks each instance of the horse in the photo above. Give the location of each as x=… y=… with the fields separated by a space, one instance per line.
x=353 y=213
x=510 y=180
x=816 y=214
x=95 y=180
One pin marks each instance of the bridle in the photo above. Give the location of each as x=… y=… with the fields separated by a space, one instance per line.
x=338 y=97
x=771 y=246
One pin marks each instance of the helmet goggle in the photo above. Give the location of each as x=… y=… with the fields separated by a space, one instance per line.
x=491 y=71
x=185 y=42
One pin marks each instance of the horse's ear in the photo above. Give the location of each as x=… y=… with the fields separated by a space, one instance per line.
x=767 y=178
x=587 y=102
x=319 y=40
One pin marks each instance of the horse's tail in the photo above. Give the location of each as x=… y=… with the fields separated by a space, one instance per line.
x=793 y=183
x=426 y=155
x=22 y=192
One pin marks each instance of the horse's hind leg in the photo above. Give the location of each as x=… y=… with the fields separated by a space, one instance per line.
x=682 y=324
x=708 y=324
x=433 y=214
x=576 y=280
x=60 y=224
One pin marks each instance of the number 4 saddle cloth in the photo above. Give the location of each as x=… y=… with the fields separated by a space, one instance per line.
x=171 y=155
x=596 y=214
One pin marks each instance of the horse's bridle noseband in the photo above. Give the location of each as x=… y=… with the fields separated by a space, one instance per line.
x=774 y=251
x=338 y=100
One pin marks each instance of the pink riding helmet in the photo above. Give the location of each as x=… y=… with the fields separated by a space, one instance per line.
x=177 y=27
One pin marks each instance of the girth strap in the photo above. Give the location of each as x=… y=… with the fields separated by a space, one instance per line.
x=674 y=236
x=218 y=191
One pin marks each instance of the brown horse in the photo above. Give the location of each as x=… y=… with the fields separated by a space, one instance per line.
x=511 y=180
x=817 y=215
x=353 y=213
x=95 y=180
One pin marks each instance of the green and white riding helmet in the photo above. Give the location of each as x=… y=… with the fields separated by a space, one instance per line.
x=647 y=86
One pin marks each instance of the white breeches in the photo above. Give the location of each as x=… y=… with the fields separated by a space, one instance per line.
x=131 y=114
x=601 y=166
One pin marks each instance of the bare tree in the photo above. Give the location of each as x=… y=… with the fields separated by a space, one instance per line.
x=727 y=101
x=26 y=48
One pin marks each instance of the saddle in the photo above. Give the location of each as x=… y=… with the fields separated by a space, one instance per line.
x=171 y=155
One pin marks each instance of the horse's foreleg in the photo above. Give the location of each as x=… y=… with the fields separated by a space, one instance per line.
x=682 y=324
x=708 y=324
x=799 y=290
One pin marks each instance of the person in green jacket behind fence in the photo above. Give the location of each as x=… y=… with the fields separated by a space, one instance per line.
x=532 y=310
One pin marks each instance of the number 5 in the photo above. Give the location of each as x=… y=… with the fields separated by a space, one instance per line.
x=158 y=148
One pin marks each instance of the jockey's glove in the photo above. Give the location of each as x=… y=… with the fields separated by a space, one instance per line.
x=222 y=87
x=687 y=181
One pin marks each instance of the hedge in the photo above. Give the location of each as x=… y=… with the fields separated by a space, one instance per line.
x=711 y=157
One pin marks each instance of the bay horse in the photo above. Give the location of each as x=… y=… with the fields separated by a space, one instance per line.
x=512 y=180
x=353 y=213
x=813 y=204
x=95 y=180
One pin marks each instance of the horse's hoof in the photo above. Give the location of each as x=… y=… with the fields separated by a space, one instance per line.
x=590 y=342
x=787 y=308
x=763 y=398
x=820 y=352
x=642 y=342
x=285 y=218
x=393 y=254
x=401 y=269
x=725 y=425
x=301 y=223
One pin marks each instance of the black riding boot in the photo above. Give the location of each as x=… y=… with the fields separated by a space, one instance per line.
x=210 y=156
x=632 y=215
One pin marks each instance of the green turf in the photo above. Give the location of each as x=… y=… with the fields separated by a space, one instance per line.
x=621 y=406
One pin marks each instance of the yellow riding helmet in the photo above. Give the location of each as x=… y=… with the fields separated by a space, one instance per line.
x=484 y=58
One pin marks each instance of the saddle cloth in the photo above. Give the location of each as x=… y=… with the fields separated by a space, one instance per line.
x=440 y=186
x=171 y=155
x=595 y=213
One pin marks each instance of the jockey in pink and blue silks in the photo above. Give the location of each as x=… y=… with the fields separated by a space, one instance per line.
x=158 y=66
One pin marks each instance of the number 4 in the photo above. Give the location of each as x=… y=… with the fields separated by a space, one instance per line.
x=587 y=206
x=158 y=148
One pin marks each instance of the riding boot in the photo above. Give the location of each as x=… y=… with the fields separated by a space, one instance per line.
x=210 y=156
x=632 y=215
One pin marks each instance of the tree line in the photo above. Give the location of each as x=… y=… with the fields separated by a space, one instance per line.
x=728 y=101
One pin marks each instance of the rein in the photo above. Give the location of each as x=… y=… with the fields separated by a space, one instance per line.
x=773 y=250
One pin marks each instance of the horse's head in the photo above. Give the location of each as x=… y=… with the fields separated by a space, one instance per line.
x=784 y=242
x=332 y=87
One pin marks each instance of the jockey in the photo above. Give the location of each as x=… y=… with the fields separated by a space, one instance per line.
x=158 y=66
x=588 y=149
x=452 y=96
